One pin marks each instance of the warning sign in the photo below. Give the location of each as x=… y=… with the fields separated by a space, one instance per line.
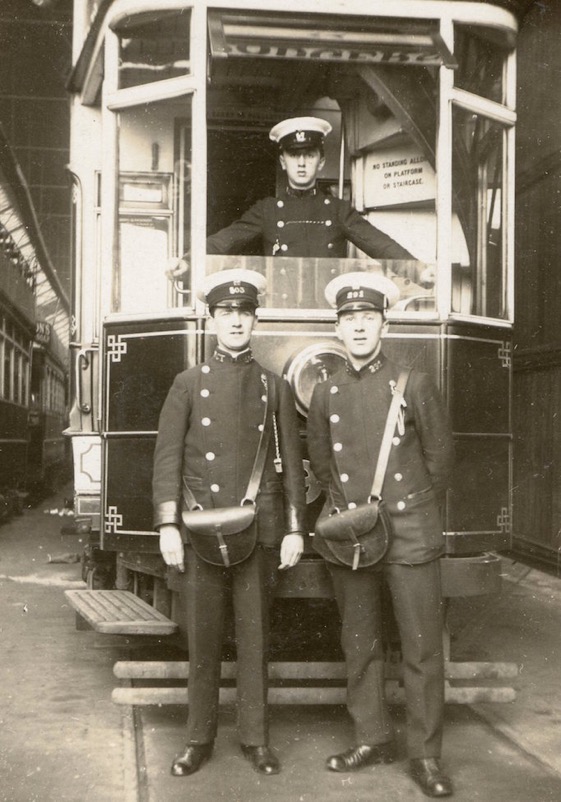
x=396 y=176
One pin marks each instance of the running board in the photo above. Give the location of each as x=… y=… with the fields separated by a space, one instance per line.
x=330 y=676
x=118 y=612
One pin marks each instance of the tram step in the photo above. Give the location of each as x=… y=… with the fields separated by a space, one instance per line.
x=305 y=695
x=119 y=612
x=156 y=669
x=331 y=692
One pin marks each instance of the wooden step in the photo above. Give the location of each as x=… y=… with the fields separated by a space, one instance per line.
x=315 y=683
x=304 y=695
x=298 y=671
x=119 y=612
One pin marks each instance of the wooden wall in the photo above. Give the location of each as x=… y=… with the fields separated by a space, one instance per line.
x=537 y=333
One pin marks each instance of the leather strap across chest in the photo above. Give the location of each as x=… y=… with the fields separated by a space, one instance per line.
x=397 y=401
x=260 y=456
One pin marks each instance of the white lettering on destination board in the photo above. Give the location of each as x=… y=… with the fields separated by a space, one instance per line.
x=379 y=56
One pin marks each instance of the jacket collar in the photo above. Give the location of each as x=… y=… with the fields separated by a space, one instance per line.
x=301 y=193
x=373 y=366
x=243 y=358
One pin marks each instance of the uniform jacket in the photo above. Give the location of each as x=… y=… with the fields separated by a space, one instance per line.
x=209 y=433
x=346 y=423
x=305 y=223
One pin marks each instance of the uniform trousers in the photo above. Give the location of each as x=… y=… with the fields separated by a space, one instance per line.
x=206 y=591
x=417 y=605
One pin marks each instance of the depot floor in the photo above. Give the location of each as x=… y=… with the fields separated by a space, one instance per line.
x=62 y=738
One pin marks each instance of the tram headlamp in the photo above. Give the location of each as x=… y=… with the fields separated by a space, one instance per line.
x=311 y=365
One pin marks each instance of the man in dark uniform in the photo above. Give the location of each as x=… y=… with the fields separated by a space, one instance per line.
x=208 y=436
x=346 y=423
x=302 y=221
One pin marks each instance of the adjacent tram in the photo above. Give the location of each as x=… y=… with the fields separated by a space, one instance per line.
x=34 y=328
x=172 y=102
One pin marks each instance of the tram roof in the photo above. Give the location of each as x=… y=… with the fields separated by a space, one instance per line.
x=18 y=218
x=88 y=49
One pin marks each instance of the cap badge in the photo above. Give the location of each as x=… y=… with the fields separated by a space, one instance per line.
x=300 y=136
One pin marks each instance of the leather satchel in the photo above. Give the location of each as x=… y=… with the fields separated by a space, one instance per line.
x=360 y=537
x=226 y=536
x=223 y=536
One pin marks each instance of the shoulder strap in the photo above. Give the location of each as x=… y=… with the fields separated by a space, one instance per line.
x=386 y=445
x=260 y=457
x=262 y=448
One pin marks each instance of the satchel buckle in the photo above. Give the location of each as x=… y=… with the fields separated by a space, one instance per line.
x=356 y=556
x=223 y=549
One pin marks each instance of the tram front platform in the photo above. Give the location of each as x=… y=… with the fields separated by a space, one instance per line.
x=63 y=738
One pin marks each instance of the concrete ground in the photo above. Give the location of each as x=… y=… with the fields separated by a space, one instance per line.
x=61 y=737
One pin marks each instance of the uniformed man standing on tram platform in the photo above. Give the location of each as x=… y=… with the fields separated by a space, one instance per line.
x=302 y=221
x=346 y=424
x=209 y=436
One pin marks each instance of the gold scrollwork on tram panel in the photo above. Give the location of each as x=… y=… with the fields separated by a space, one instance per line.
x=504 y=353
x=113 y=521
x=503 y=521
x=116 y=347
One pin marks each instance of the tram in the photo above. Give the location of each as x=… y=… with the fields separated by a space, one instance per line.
x=34 y=337
x=172 y=102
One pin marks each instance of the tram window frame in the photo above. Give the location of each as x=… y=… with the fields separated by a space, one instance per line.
x=504 y=117
x=154 y=207
x=117 y=101
x=131 y=30
x=482 y=55
x=14 y=354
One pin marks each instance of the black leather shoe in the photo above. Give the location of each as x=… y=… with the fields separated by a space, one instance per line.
x=363 y=755
x=262 y=759
x=430 y=778
x=191 y=760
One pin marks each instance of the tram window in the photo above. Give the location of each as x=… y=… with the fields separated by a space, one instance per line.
x=477 y=170
x=153 y=47
x=299 y=282
x=8 y=371
x=154 y=202
x=480 y=62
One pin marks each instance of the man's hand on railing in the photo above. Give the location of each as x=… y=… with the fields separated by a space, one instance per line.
x=177 y=267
